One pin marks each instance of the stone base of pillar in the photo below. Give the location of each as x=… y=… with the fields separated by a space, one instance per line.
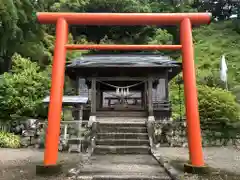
x=91 y=120
x=43 y=170
x=188 y=168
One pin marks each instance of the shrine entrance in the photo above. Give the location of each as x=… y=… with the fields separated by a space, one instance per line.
x=63 y=20
x=123 y=95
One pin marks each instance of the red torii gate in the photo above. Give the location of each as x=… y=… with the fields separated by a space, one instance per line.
x=185 y=20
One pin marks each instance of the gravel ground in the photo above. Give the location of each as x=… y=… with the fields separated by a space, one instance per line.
x=19 y=164
x=224 y=160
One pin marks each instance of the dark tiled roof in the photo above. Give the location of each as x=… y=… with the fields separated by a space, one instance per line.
x=123 y=60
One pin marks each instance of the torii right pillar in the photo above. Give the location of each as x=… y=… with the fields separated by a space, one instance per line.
x=191 y=102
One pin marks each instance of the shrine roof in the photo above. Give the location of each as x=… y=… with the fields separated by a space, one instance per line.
x=123 y=60
x=69 y=100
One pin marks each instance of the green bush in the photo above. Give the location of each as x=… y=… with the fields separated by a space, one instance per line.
x=9 y=140
x=216 y=104
x=22 y=89
x=176 y=98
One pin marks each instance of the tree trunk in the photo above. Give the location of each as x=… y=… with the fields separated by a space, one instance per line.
x=6 y=64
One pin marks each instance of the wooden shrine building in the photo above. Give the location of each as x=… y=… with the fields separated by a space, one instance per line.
x=124 y=84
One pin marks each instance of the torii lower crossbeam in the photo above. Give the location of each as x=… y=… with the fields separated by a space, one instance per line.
x=185 y=20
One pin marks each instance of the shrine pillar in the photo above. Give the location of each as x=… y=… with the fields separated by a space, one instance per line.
x=92 y=117
x=150 y=99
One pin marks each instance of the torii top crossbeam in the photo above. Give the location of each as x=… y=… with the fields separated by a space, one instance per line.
x=124 y=18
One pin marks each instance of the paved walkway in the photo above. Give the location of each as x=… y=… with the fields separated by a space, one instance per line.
x=224 y=158
x=111 y=166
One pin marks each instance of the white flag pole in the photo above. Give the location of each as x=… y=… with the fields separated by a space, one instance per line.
x=223 y=73
x=226 y=84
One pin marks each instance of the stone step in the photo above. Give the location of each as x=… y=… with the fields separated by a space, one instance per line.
x=122 y=142
x=120 y=129
x=143 y=136
x=121 y=113
x=124 y=166
x=123 y=177
x=110 y=124
x=101 y=149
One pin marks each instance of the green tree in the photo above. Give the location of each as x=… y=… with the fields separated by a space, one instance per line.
x=119 y=34
x=19 y=31
x=220 y=9
x=23 y=89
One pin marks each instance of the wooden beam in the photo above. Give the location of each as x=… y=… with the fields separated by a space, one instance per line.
x=78 y=106
x=145 y=95
x=101 y=99
x=98 y=96
x=93 y=97
x=166 y=86
x=119 y=78
x=150 y=101
x=77 y=85
x=126 y=78
x=142 y=98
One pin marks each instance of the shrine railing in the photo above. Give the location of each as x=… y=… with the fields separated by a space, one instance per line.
x=162 y=105
x=74 y=133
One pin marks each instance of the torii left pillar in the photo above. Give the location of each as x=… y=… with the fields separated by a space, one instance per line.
x=55 y=107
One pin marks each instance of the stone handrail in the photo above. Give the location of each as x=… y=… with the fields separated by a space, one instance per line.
x=93 y=134
x=150 y=129
x=66 y=140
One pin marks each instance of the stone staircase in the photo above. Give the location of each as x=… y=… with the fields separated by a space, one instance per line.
x=124 y=135
x=125 y=141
